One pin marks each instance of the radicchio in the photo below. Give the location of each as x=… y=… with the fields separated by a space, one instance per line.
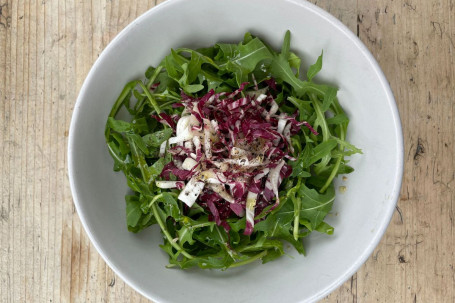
x=232 y=160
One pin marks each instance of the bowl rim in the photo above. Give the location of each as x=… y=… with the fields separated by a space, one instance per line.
x=399 y=167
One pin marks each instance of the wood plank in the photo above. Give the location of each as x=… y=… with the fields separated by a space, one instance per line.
x=17 y=198
x=5 y=206
x=67 y=95
x=413 y=42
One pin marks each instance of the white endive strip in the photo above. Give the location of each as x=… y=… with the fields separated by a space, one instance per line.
x=163 y=148
x=254 y=94
x=207 y=143
x=273 y=178
x=261 y=98
x=220 y=190
x=191 y=192
x=184 y=129
x=212 y=177
x=188 y=145
x=189 y=163
x=274 y=108
x=287 y=136
x=260 y=175
x=281 y=125
x=167 y=184
x=250 y=206
x=197 y=144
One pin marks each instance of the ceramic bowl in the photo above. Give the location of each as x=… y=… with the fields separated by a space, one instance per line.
x=360 y=215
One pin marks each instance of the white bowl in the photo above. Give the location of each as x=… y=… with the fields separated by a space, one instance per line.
x=360 y=215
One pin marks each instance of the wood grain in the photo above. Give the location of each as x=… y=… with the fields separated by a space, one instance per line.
x=47 y=48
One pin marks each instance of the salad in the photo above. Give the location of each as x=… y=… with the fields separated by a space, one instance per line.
x=229 y=152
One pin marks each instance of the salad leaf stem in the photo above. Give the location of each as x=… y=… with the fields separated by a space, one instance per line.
x=115 y=155
x=332 y=175
x=249 y=260
x=155 y=198
x=118 y=103
x=166 y=96
x=297 y=206
x=320 y=118
x=154 y=76
x=166 y=233
x=322 y=122
x=122 y=97
x=150 y=98
x=336 y=167
x=226 y=246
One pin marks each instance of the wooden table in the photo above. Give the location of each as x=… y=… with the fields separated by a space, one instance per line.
x=47 y=48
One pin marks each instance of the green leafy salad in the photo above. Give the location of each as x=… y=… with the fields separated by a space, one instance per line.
x=229 y=152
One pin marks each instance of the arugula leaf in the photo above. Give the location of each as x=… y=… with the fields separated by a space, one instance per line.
x=225 y=52
x=185 y=80
x=295 y=62
x=173 y=69
x=157 y=168
x=244 y=58
x=250 y=54
x=119 y=125
x=189 y=226
x=315 y=68
x=170 y=205
x=322 y=150
x=281 y=69
x=136 y=141
x=149 y=72
x=264 y=244
x=329 y=97
x=338 y=119
x=345 y=144
x=119 y=141
x=325 y=228
x=279 y=225
x=271 y=255
x=186 y=235
x=155 y=139
x=114 y=151
x=133 y=210
x=300 y=167
x=138 y=156
x=315 y=206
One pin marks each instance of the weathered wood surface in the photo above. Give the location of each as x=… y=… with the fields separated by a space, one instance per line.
x=48 y=46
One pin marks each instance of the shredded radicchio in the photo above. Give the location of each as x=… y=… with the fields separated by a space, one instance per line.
x=229 y=152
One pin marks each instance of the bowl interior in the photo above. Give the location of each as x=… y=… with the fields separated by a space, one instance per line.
x=360 y=215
